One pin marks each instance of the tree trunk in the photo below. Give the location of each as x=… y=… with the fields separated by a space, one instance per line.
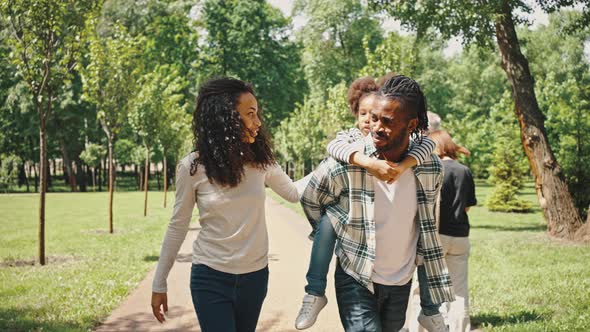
x=111 y=182
x=145 y=182
x=27 y=177
x=68 y=164
x=47 y=175
x=93 y=175
x=43 y=182
x=158 y=177
x=165 y=179
x=81 y=179
x=99 y=179
x=105 y=172
x=22 y=175
x=36 y=177
x=554 y=197
x=139 y=172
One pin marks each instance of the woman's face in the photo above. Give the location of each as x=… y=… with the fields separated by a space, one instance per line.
x=248 y=109
x=363 y=117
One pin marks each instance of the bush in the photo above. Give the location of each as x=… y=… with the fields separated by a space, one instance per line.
x=9 y=171
x=508 y=169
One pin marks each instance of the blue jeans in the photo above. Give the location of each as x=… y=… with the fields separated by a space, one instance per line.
x=227 y=302
x=428 y=308
x=361 y=310
x=321 y=256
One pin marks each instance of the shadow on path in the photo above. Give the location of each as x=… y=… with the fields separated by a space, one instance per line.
x=146 y=322
x=493 y=319
x=527 y=228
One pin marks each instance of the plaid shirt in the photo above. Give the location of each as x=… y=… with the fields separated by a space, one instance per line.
x=345 y=193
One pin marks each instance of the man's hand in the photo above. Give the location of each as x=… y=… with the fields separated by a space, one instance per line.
x=159 y=299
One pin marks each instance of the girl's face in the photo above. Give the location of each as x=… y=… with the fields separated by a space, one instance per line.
x=248 y=109
x=363 y=117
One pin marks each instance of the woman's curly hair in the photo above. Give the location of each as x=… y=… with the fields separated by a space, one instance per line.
x=218 y=131
x=360 y=88
x=408 y=92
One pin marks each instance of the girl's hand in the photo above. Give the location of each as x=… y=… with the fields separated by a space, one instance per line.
x=159 y=299
x=385 y=170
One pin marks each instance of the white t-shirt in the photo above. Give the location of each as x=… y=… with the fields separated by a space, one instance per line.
x=396 y=234
x=233 y=236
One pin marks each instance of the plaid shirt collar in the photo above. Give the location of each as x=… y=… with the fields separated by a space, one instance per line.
x=345 y=194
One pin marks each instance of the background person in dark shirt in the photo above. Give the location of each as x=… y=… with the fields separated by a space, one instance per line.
x=457 y=195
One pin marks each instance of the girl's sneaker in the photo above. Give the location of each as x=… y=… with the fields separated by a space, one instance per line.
x=311 y=307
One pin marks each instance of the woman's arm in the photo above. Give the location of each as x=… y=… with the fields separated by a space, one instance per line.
x=282 y=184
x=177 y=228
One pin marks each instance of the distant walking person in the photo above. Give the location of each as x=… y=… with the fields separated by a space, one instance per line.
x=457 y=196
x=226 y=177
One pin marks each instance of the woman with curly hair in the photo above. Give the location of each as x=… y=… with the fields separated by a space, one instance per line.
x=226 y=177
x=362 y=94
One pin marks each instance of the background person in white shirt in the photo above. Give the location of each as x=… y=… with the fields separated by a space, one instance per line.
x=226 y=178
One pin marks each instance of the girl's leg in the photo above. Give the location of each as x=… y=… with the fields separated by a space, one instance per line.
x=428 y=308
x=321 y=256
x=319 y=264
x=429 y=317
x=251 y=290
x=212 y=293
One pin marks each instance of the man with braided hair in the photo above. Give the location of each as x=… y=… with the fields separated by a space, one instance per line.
x=378 y=250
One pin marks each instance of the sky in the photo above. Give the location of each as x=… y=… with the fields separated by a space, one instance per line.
x=538 y=17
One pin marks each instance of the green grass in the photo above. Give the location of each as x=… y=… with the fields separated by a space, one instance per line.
x=89 y=271
x=520 y=279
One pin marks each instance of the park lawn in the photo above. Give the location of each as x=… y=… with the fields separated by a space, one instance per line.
x=519 y=278
x=89 y=271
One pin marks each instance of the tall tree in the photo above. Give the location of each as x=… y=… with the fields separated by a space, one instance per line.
x=480 y=22
x=562 y=72
x=174 y=128
x=47 y=36
x=249 y=39
x=334 y=40
x=160 y=94
x=112 y=63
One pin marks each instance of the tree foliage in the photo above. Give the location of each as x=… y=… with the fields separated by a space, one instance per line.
x=334 y=41
x=249 y=39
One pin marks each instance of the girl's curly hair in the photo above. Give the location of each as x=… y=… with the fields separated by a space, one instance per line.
x=408 y=92
x=358 y=89
x=218 y=131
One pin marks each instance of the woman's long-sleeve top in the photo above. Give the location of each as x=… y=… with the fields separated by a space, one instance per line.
x=233 y=236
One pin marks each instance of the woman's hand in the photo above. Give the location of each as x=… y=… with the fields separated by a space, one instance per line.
x=159 y=299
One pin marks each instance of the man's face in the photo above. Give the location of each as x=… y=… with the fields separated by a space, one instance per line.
x=390 y=126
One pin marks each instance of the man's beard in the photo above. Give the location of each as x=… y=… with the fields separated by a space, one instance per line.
x=396 y=142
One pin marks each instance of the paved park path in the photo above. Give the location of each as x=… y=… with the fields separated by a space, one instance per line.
x=288 y=259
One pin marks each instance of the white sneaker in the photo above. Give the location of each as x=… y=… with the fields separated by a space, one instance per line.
x=311 y=307
x=434 y=323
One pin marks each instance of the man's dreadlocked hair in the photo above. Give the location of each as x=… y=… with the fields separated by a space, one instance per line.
x=408 y=93
x=218 y=131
